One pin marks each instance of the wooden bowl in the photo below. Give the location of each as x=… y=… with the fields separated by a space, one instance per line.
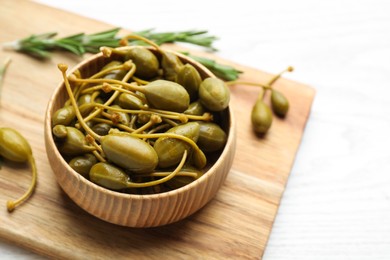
x=137 y=210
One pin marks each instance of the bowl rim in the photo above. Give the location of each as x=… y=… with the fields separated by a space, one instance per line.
x=229 y=142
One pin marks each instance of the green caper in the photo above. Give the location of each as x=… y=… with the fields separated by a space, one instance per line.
x=82 y=164
x=214 y=94
x=129 y=101
x=114 y=178
x=101 y=129
x=145 y=61
x=63 y=116
x=170 y=150
x=108 y=176
x=167 y=95
x=171 y=65
x=114 y=74
x=74 y=144
x=60 y=131
x=180 y=181
x=122 y=118
x=83 y=103
x=129 y=152
x=143 y=118
x=13 y=146
x=261 y=117
x=190 y=79
x=211 y=137
x=195 y=108
x=279 y=103
x=199 y=159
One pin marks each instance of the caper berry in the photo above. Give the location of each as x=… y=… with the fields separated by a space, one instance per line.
x=129 y=152
x=146 y=62
x=261 y=117
x=83 y=164
x=63 y=116
x=190 y=79
x=167 y=95
x=279 y=103
x=211 y=137
x=170 y=150
x=214 y=94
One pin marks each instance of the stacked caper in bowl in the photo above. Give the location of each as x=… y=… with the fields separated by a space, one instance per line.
x=140 y=136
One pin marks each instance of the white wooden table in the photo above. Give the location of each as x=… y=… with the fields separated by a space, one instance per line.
x=337 y=201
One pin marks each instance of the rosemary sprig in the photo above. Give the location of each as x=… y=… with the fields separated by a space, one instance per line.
x=222 y=71
x=41 y=45
x=199 y=38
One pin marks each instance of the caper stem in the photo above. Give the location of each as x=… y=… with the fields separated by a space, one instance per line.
x=121 y=126
x=63 y=68
x=140 y=81
x=169 y=135
x=129 y=74
x=11 y=204
x=98 y=156
x=112 y=81
x=113 y=87
x=276 y=77
x=125 y=40
x=266 y=86
x=193 y=175
x=125 y=66
x=165 y=179
x=158 y=128
x=154 y=119
x=249 y=83
x=170 y=122
x=92 y=141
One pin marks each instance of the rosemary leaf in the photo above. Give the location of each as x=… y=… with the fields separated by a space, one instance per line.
x=224 y=72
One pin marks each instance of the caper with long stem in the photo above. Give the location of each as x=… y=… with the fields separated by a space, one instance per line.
x=14 y=147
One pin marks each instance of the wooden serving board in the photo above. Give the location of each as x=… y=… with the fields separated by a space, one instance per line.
x=236 y=224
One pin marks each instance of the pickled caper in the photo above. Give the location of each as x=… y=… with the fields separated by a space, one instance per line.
x=146 y=62
x=190 y=79
x=129 y=152
x=63 y=116
x=108 y=176
x=119 y=117
x=195 y=108
x=60 y=131
x=129 y=101
x=167 y=95
x=74 y=143
x=82 y=164
x=114 y=74
x=171 y=65
x=112 y=177
x=279 y=103
x=214 y=94
x=261 y=117
x=170 y=150
x=211 y=137
x=14 y=147
x=101 y=128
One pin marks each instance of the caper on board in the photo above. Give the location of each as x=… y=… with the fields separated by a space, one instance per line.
x=14 y=147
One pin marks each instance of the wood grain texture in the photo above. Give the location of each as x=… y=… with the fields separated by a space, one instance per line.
x=236 y=224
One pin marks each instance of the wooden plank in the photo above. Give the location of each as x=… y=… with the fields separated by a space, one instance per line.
x=236 y=224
